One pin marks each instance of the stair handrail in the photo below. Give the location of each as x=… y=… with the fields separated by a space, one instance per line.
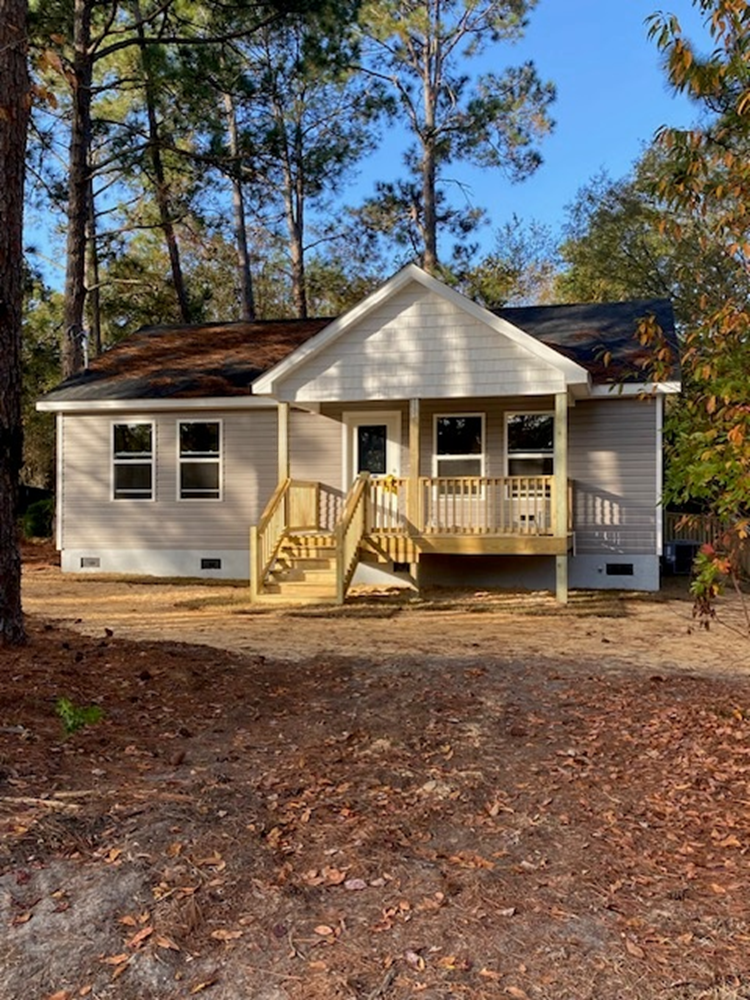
x=349 y=532
x=267 y=535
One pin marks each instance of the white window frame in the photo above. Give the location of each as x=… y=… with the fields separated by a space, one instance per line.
x=140 y=457
x=437 y=457
x=207 y=460
x=527 y=454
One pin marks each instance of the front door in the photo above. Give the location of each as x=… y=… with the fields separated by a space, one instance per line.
x=373 y=444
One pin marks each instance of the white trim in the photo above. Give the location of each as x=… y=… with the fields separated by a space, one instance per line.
x=456 y=416
x=113 y=460
x=267 y=383
x=350 y=420
x=147 y=405
x=659 y=475
x=618 y=390
x=59 y=450
x=210 y=460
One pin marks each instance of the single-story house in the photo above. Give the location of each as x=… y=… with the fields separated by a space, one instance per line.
x=418 y=438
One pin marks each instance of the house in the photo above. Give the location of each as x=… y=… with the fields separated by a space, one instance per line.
x=419 y=438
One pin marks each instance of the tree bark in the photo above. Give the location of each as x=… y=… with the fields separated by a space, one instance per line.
x=14 y=115
x=161 y=184
x=247 y=298
x=92 y=281
x=78 y=190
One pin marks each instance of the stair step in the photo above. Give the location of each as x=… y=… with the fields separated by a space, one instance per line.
x=307 y=563
x=295 y=588
x=304 y=574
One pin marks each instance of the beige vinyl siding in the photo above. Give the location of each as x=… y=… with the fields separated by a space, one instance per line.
x=417 y=344
x=91 y=519
x=612 y=458
x=315 y=444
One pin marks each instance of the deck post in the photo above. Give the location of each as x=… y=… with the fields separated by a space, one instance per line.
x=560 y=494
x=283 y=444
x=413 y=513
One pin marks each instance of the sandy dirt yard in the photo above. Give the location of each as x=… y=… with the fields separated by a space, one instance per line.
x=470 y=795
x=601 y=630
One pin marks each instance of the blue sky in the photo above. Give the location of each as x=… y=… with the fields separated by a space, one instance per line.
x=611 y=98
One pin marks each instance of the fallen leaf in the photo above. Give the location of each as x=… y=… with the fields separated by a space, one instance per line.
x=718 y=889
x=22 y=918
x=166 y=942
x=355 y=884
x=199 y=987
x=324 y=930
x=634 y=949
x=117 y=959
x=224 y=935
x=128 y=920
x=317 y=966
x=85 y=990
x=60 y=995
x=489 y=974
x=137 y=939
x=517 y=992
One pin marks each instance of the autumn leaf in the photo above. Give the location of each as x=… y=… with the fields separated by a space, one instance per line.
x=166 y=942
x=517 y=992
x=137 y=939
x=117 y=959
x=204 y=985
x=324 y=930
x=634 y=949
x=60 y=995
x=22 y=918
x=225 y=935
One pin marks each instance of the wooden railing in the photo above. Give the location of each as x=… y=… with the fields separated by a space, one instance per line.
x=293 y=504
x=506 y=505
x=350 y=531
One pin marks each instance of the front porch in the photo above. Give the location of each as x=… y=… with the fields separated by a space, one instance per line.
x=310 y=538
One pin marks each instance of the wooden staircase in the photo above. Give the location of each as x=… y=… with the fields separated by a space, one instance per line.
x=304 y=571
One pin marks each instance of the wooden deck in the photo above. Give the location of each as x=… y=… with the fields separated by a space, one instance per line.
x=399 y=520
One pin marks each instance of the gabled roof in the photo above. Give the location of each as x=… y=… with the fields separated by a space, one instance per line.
x=573 y=372
x=601 y=336
x=588 y=343
x=187 y=362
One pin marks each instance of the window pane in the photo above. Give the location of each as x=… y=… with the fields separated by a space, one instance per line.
x=132 y=439
x=541 y=465
x=459 y=436
x=199 y=480
x=371 y=446
x=459 y=467
x=199 y=438
x=133 y=480
x=531 y=432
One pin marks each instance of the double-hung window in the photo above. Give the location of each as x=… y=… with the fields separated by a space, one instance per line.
x=133 y=461
x=530 y=444
x=459 y=445
x=199 y=445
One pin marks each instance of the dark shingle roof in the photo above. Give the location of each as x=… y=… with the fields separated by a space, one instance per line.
x=222 y=359
x=183 y=362
x=600 y=336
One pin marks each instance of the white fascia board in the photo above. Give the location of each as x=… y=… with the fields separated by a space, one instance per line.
x=616 y=391
x=574 y=373
x=146 y=405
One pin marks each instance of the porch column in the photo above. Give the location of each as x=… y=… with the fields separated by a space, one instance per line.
x=283 y=441
x=560 y=514
x=412 y=504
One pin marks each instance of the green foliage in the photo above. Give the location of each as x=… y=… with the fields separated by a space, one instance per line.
x=74 y=717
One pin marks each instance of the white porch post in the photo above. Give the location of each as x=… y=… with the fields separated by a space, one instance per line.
x=412 y=508
x=560 y=515
x=283 y=442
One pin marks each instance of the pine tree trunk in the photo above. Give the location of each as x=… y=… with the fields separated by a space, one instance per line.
x=14 y=113
x=247 y=298
x=78 y=191
x=92 y=279
x=160 y=179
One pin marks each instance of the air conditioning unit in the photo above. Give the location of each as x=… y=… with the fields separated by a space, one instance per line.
x=679 y=556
